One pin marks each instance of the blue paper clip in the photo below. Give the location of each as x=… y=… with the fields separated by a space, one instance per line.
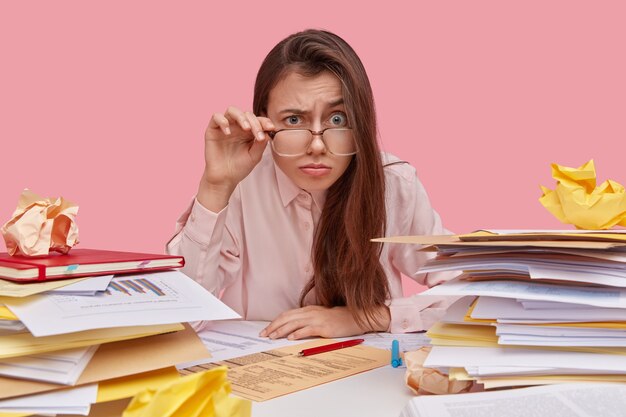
x=396 y=360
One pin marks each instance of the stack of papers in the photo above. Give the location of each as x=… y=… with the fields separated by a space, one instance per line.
x=93 y=332
x=539 y=307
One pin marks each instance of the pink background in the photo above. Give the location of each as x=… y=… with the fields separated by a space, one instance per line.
x=106 y=104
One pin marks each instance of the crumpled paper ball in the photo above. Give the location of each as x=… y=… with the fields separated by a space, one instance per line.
x=40 y=225
x=425 y=381
x=576 y=199
x=203 y=394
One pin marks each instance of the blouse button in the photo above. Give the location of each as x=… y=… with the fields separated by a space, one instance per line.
x=192 y=217
x=306 y=225
x=405 y=324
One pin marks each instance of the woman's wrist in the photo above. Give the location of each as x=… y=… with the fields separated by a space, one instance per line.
x=214 y=197
x=384 y=321
x=380 y=321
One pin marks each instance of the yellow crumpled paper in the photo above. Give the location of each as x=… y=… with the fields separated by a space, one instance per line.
x=577 y=200
x=425 y=381
x=203 y=394
x=40 y=225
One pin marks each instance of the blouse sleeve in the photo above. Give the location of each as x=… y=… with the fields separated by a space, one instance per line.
x=413 y=215
x=210 y=245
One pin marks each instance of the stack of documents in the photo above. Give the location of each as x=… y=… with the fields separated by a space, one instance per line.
x=539 y=307
x=92 y=333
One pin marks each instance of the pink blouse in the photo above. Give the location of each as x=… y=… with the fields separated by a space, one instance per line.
x=256 y=252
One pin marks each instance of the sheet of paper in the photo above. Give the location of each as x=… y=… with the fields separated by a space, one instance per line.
x=507 y=308
x=481 y=251
x=407 y=341
x=118 y=359
x=477 y=371
x=13 y=289
x=548 y=305
x=566 y=400
x=459 y=357
x=517 y=340
x=266 y=375
x=227 y=339
x=11 y=326
x=594 y=296
x=597 y=276
x=64 y=367
x=597 y=272
x=74 y=401
x=87 y=286
x=521 y=382
x=454 y=241
x=26 y=344
x=455 y=313
x=558 y=331
x=130 y=300
x=552 y=231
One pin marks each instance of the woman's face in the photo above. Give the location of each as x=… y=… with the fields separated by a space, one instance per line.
x=315 y=103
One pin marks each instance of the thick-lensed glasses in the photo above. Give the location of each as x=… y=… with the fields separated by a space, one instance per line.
x=295 y=142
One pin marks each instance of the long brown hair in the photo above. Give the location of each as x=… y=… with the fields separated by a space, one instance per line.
x=347 y=269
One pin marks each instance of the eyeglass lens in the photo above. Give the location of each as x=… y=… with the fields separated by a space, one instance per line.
x=296 y=141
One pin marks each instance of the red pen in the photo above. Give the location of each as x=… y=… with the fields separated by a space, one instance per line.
x=332 y=346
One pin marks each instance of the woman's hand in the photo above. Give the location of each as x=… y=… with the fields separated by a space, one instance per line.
x=234 y=142
x=320 y=321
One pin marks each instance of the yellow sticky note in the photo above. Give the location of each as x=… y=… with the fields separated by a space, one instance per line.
x=577 y=200
x=200 y=394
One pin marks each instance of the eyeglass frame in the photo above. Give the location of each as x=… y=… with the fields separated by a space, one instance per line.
x=314 y=133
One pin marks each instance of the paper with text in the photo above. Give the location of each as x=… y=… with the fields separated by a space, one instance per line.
x=130 y=300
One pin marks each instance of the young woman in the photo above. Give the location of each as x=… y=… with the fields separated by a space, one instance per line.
x=283 y=232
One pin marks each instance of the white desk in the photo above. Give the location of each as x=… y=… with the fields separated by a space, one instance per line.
x=377 y=393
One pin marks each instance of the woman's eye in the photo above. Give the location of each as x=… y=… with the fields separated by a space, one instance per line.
x=338 y=119
x=292 y=120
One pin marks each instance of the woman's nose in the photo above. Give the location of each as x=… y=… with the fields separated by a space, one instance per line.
x=317 y=145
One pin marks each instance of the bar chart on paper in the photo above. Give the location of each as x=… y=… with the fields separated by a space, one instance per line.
x=128 y=293
x=135 y=287
x=129 y=300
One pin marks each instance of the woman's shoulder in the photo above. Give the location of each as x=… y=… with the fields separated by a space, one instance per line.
x=396 y=168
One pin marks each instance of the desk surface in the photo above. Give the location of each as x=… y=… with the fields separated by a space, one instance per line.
x=377 y=393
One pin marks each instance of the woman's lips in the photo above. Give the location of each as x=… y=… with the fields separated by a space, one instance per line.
x=315 y=170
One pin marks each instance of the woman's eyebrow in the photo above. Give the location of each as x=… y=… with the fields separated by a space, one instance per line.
x=337 y=102
x=293 y=111
x=331 y=103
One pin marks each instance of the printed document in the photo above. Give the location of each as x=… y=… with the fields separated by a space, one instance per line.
x=594 y=296
x=130 y=300
x=227 y=339
x=265 y=375
x=562 y=400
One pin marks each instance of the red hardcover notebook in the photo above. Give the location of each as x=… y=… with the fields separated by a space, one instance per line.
x=82 y=263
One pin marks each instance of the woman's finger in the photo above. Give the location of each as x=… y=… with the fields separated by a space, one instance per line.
x=282 y=319
x=219 y=121
x=235 y=115
x=287 y=329
x=257 y=129
x=303 y=332
x=266 y=124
